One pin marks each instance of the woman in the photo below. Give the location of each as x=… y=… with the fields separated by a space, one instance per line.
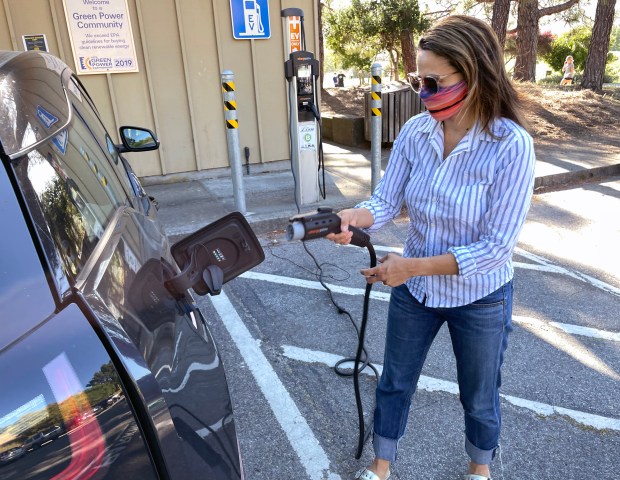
x=569 y=71
x=465 y=169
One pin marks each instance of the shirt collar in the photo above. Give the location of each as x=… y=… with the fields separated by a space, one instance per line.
x=499 y=129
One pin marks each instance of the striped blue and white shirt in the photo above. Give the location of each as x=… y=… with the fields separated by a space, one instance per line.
x=473 y=204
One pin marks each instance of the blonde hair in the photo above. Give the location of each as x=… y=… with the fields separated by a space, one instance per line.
x=571 y=57
x=471 y=47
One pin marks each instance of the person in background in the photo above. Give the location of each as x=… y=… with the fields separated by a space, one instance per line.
x=341 y=77
x=569 y=71
x=465 y=170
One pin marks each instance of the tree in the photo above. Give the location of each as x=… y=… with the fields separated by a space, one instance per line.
x=529 y=15
x=544 y=47
x=357 y=33
x=499 y=21
x=105 y=375
x=345 y=36
x=398 y=22
x=575 y=43
x=599 y=45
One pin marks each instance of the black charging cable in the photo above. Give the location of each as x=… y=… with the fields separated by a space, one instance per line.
x=361 y=360
x=317 y=115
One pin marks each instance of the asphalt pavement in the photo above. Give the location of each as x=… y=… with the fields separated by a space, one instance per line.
x=279 y=335
x=189 y=202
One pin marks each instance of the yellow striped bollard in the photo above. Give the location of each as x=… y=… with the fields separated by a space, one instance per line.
x=375 y=126
x=232 y=136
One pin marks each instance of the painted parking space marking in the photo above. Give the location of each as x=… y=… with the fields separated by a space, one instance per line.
x=385 y=297
x=431 y=384
x=543 y=262
x=311 y=455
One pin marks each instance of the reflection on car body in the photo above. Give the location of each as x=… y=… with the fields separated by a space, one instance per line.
x=11 y=454
x=35 y=441
x=53 y=433
x=105 y=361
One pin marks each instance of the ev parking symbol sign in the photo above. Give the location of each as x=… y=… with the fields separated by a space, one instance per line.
x=250 y=19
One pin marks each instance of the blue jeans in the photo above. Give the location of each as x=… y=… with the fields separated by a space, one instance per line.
x=479 y=333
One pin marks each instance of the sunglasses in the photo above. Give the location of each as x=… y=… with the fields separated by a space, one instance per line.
x=431 y=82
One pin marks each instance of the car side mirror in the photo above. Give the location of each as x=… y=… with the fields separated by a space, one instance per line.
x=137 y=139
x=214 y=255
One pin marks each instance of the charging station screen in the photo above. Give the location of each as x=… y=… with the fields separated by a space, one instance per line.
x=304 y=80
x=304 y=71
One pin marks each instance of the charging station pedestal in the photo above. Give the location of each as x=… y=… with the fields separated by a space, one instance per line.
x=301 y=71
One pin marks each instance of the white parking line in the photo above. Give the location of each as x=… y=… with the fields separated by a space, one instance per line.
x=564 y=271
x=385 y=296
x=302 y=439
x=436 y=385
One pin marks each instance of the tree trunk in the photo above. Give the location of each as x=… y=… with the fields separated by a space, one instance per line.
x=499 y=22
x=599 y=45
x=394 y=61
x=527 y=35
x=527 y=41
x=409 y=52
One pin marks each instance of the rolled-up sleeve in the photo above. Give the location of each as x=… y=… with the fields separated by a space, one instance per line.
x=509 y=201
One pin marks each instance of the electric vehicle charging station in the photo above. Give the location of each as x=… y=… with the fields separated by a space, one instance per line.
x=301 y=70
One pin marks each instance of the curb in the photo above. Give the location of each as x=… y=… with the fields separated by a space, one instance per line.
x=558 y=180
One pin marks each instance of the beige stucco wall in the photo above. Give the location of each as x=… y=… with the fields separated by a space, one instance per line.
x=182 y=47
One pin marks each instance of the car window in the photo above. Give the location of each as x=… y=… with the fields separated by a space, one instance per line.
x=66 y=414
x=75 y=189
x=82 y=105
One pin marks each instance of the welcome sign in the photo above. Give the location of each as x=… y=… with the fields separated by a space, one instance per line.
x=101 y=36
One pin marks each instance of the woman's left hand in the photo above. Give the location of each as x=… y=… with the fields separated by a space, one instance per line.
x=393 y=270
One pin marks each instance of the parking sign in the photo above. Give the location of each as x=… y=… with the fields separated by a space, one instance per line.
x=250 y=19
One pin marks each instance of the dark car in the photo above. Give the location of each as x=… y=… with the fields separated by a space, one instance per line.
x=94 y=303
x=11 y=455
x=35 y=441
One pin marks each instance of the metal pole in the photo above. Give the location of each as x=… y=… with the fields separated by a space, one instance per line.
x=232 y=136
x=376 y=127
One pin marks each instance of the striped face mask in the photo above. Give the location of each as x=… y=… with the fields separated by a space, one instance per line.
x=446 y=102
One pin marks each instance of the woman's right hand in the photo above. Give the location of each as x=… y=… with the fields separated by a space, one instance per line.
x=354 y=217
x=347 y=217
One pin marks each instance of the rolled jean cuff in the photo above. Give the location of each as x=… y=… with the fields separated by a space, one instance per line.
x=385 y=448
x=477 y=455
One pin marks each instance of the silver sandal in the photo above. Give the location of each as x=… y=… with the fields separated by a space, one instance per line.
x=473 y=476
x=365 y=474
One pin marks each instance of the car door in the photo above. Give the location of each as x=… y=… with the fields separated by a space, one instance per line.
x=114 y=261
x=53 y=368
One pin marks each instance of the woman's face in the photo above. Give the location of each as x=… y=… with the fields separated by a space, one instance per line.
x=433 y=65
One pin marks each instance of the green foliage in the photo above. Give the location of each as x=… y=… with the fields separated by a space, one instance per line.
x=614 y=41
x=345 y=35
x=106 y=375
x=612 y=69
x=612 y=74
x=575 y=43
x=358 y=32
